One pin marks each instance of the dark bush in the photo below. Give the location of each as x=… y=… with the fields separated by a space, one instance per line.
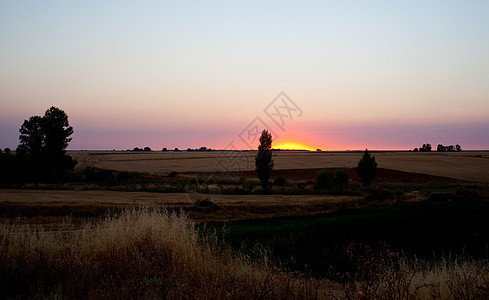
x=7 y=150
x=172 y=174
x=367 y=168
x=280 y=181
x=323 y=179
x=124 y=177
x=104 y=177
x=341 y=177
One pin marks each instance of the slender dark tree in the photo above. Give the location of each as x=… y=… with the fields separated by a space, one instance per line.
x=367 y=168
x=263 y=160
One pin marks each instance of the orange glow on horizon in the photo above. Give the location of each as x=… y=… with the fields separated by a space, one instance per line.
x=288 y=145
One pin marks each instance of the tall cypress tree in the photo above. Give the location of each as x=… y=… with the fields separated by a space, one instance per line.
x=263 y=160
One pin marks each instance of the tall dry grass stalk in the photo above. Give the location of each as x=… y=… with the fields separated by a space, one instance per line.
x=139 y=254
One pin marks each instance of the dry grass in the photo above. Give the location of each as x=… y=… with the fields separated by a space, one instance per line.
x=471 y=166
x=387 y=275
x=154 y=254
x=143 y=254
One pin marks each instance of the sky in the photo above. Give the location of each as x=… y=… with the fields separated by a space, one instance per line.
x=334 y=75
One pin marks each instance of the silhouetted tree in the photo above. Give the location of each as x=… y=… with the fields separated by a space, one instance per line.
x=148 y=149
x=57 y=132
x=458 y=148
x=263 y=160
x=367 y=168
x=7 y=150
x=42 y=145
x=32 y=138
x=425 y=148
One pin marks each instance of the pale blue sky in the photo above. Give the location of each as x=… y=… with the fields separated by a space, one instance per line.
x=188 y=74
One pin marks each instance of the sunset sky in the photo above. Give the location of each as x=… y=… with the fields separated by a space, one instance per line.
x=354 y=74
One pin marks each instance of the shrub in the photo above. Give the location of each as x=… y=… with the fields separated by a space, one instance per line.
x=7 y=150
x=172 y=174
x=280 y=181
x=341 y=177
x=104 y=177
x=124 y=177
x=367 y=168
x=323 y=179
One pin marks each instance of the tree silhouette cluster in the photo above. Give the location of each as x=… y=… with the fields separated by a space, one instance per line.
x=424 y=148
x=201 y=149
x=451 y=148
x=41 y=154
x=137 y=149
x=439 y=148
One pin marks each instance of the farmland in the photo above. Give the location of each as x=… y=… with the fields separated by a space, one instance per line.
x=471 y=166
x=428 y=206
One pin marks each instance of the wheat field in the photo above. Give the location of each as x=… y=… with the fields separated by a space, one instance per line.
x=469 y=166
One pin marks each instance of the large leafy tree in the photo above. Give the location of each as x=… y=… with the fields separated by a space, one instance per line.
x=57 y=132
x=367 y=168
x=43 y=142
x=263 y=160
x=31 y=137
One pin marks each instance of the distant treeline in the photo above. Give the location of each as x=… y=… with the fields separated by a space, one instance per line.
x=439 y=148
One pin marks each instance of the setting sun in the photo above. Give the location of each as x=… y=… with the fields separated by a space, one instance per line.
x=292 y=146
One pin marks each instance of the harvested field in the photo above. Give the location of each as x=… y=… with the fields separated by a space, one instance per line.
x=47 y=206
x=469 y=166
